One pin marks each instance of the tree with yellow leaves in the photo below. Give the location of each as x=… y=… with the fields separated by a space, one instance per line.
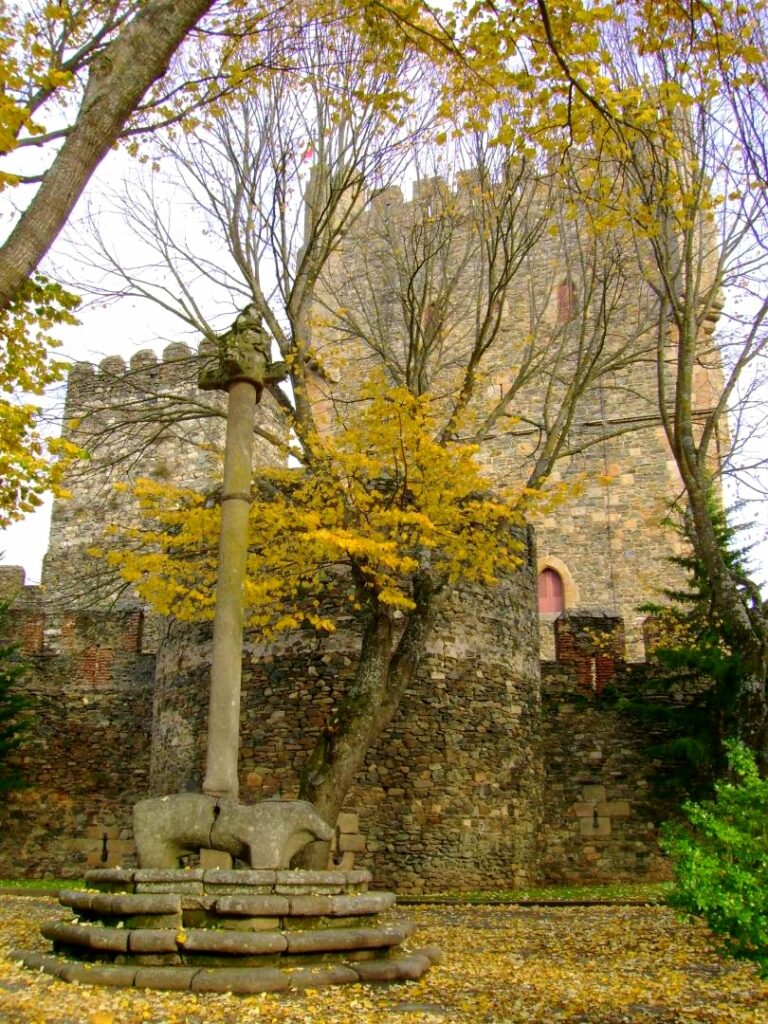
x=30 y=464
x=690 y=188
x=388 y=504
x=79 y=76
x=381 y=520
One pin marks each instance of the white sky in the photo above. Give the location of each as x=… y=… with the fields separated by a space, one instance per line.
x=119 y=329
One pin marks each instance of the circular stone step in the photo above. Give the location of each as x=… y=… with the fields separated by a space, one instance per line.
x=220 y=930
x=241 y=980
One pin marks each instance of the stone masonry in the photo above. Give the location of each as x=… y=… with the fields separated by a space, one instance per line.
x=473 y=785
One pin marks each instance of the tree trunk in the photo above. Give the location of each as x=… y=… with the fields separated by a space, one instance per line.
x=117 y=82
x=382 y=675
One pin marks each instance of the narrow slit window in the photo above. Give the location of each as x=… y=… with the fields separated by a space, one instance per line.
x=566 y=302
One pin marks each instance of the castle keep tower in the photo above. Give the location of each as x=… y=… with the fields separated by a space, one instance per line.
x=559 y=331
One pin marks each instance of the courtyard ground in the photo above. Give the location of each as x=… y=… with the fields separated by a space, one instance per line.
x=501 y=965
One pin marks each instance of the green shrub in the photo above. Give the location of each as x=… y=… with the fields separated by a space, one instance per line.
x=721 y=859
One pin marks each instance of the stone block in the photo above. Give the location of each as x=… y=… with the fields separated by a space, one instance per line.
x=150 y=959
x=78 y=900
x=137 y=904
x=232 y=943
x=615 y=808
x=320 y=940
x=348 y=822
x=113 y=939
x=585 y=810
x=359 y=879
x=346 y=863
x=319 y=977
x=69 y=971
x=408 y=968
x=593 y=792
x=590 y=827
x=110 y=879
x=352 y=843
x=115 y=975
x=28 y=957
x=311 y=880
x=240 y=879
x=311 y=906
x=253 y=906
x=187 y=888
x=411 y=968
x=249 y=924
x=153 y=921
x=212 y=860
x=362 y=903
x=175 y=876
x=152 y=940
x=176 y=979
x=240 y=980
x=377 y=970
x=192 y=902
x=60 y=932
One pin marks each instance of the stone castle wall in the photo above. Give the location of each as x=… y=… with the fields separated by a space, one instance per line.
x=471 y=786
x=476 y=783
x=85 y=759
x=602 y=809
x=608 y=539
x=144 y=419
x=451 y=794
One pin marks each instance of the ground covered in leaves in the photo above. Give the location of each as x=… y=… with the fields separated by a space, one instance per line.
x=501 y=965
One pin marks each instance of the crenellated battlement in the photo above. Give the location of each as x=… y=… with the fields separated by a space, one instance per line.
x=107 y=384
x=143 y=418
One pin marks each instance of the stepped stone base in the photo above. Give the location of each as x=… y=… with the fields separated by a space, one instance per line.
x=219 y=931
x=241 y=980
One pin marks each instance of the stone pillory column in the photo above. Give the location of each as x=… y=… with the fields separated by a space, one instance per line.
x=266 y=928
x=238 y=363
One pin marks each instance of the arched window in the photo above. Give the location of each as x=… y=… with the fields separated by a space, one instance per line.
x=565 y=294
x=551 y=592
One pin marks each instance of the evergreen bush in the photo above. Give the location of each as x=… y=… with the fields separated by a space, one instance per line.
x=720 y=859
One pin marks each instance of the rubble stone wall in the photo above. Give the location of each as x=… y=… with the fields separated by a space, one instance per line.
x=476 y=783
x=602 y=810
x=85 y=759
x=450 y=797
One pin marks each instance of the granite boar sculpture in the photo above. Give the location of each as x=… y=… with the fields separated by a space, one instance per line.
x=265 y=835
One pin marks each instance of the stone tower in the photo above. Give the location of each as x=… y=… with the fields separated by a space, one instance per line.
x=414 y=280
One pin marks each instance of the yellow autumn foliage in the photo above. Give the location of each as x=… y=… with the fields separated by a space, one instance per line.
x=378 y=501
x=29 y=463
